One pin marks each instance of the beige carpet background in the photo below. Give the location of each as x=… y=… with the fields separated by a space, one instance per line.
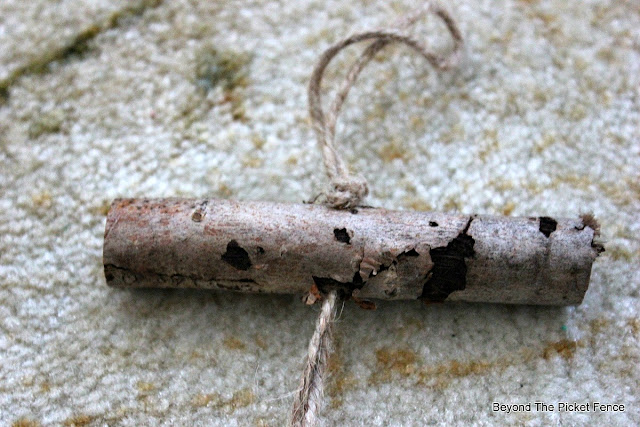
x=114 y=98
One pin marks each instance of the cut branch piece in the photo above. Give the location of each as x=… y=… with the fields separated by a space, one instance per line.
x=368 y=253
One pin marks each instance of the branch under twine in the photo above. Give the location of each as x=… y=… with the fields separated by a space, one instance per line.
x=439 y=257
x=348 y=190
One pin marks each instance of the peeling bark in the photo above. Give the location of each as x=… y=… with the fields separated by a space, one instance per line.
x=366 y=253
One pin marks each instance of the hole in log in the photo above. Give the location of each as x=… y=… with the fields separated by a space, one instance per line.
x=342 y=235
x=260 y=250
x=547 y=225
x=236 y=256
x=449 y=272
x=433 y=224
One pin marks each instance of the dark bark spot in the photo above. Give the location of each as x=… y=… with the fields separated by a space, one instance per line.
x=449 y=272
x=260 y=250
x=197 y=216
x=342 y=235
x=109 y=277
x=433 y=224
x=547 y=225
x=411 y=252
x=236 y=256
x=200 y=211
x=344 y=289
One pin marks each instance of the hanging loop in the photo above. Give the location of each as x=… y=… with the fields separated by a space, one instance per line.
x=348 y=190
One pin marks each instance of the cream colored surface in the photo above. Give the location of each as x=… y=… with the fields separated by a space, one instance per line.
x=542 y=119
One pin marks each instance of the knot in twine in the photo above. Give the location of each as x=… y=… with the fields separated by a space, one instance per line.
x=347 y=190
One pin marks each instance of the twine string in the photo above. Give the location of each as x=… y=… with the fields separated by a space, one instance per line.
x=309 y=397
x=347 y=190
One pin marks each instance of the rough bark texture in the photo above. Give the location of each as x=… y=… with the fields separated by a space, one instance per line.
x=368 y=253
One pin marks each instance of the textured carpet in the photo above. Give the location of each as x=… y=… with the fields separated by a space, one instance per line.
x=103 y=99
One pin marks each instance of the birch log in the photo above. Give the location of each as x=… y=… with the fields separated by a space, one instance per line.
x=368 y=253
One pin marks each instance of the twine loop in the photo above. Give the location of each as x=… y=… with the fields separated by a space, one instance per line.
x=347 y=190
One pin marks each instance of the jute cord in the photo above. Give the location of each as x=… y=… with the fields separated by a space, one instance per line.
x=309 y=397
x=347 y=190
